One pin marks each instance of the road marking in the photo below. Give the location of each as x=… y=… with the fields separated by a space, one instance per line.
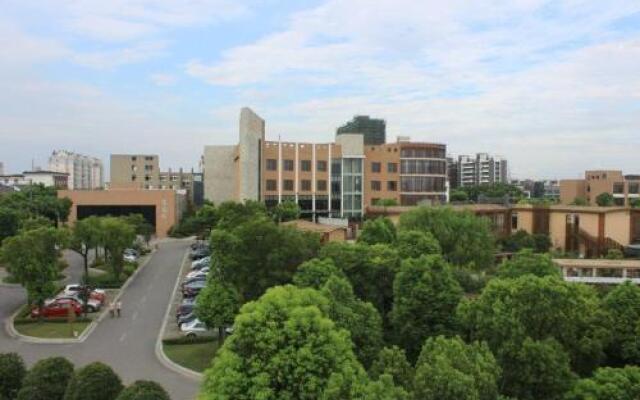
x=134 y=316
x=124 y=335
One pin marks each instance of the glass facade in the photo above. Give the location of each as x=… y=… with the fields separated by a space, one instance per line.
x=352 y=179
x=413 y=166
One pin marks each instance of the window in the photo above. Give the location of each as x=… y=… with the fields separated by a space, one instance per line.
x=375 y=167
x=288 y=165
x=272 y=185
x=375 y=186
x=422 y=184
x=147 y=178
x=305 y=184
x=148 y=167
x=321 y=166
x=305 y=165
x=321 y=185
x=514 y=221
x=133 y=177
x=134 y=158
x=392 y=186
x=288 y=184
x=149 y=158
x=272 y=164
x=392 y=167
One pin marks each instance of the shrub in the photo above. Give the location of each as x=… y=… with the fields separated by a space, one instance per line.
x=144 y=390
x=12 y=372
x=47 y=380
x=96 y=381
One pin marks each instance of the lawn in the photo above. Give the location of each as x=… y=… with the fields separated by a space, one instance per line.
x=195 y=356
x=51 y=330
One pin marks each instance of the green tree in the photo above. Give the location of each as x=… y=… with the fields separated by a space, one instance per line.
x=527 y=262
x=95 y=381
x=615 y=254
x=12 y=372
x=383 y=389
x=286 y=211
x=283 y=347
x=358 y=317
x=580 y=201
x=605 y=199
x=47 y=380
x=623 y=306
x=413 y=244
x=140 y=226
x=370 y=269
x=258 y=254
x=426 y=295
x=509 y=310
x=608 y=384
x=217 y=305
x=32 y=260
x=86 y=235
x=378 y=230
x=458 y=195
x=231 y=214
x=9 y=223
x=450 y=369
x=315 y=273
x=393 y=362
x=35 y=222
x=535 y=370
x=496 y=190
x=465 y=239
x=634 y=203
x=144 y=390
x=117 y=235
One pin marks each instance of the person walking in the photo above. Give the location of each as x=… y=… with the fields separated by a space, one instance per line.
x=112 y=309
x=119 y=307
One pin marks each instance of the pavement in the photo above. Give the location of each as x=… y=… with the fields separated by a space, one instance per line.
x=127 y=344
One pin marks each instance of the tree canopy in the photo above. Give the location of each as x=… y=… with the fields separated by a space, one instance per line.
x=623 y=307
x=12 y=372
x=95 y=381
x=527 y=262
x=378 y=230
x=605 y=199
x=143 y=390
x=47 y=380
x=608 y=384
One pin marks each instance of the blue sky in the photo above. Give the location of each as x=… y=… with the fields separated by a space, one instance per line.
x=554 y=86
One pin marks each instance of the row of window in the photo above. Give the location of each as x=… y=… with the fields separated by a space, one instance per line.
x=287 y=185
x=392 y=167
x=421 y=184
x=392 y=186
x=288 y=165
x=422 y=153
x=423 y=167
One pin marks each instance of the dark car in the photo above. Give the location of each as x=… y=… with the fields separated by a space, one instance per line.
x=186 y=318
x=192 y=289
x=200 y=253
x=191 y=280
x=186 y=307
x=632 y=250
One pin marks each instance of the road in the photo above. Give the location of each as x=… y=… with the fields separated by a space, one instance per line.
x=126 y=344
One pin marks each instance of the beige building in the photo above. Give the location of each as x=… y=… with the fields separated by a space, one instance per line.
x=588 y=230
x=161 y=208
x=337 y=179
x=624 y=188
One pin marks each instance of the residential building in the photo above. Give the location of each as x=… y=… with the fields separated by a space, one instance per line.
x=161 y=208
x=452 y=173
x=373 y=130
x=483 y=169
x=624 y=188
x=84 y=172
x=339 y=179
x=58 y=180
x=142 y=171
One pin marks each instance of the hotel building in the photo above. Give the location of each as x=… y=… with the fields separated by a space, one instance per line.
x=338 y=179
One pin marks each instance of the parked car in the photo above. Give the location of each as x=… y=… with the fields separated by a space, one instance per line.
x=95 y=294
x=188 y=281
x=186 y=318
x=193 y=288
x=92 y=304
x=199 y=253
x=199 y=244
x=196 y=328
x=57 y=308
x=130 y=255
x=186 y=307
x=632 y=250
x=201 y=263
x=198 y=272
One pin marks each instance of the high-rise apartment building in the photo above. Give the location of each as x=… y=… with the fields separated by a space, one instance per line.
x=340 y=179
x=85 y=173
x=624 y=188
x=483 y=169
x=373 y=130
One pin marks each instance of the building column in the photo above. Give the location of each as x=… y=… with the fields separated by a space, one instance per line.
x=329 y=164
x=279 y=171
x=296 y=168
x=313 y=180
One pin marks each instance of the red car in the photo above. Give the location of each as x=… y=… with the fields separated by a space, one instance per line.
x=57 y=308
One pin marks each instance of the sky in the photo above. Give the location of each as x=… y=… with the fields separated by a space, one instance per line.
x=553 y=86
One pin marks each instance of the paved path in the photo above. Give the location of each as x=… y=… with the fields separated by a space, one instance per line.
x=126 y=344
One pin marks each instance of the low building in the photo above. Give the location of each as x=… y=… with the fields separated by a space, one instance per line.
x=624 y=188
x=328 y=233
x=54 y=179
x=161 y=208
x=599 y=271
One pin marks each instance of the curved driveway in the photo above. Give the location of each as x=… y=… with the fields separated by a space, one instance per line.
x=126 y=344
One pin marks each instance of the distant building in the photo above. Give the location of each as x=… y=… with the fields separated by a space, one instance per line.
x=142 y=171
x=543 y=189
x=452 y=173
x=338 y=179
x=84 y=172
x=483 y=169
x=58 y=180
x=373 y=130
x=624 y=188
x=1 y=168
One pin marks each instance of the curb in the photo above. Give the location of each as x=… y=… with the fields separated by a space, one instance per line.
x=159 y=348
x=11 y=330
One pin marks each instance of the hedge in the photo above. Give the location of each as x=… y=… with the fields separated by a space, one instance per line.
x=189 y=340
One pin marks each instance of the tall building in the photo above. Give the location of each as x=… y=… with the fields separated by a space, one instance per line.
x=624 y=188
x=483 y=169
x=373 y=130
x=339 y=179
x=142 y=171
x=84 y=172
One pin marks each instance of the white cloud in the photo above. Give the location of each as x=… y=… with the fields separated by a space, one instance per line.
x=162 y=79
x=120 y=56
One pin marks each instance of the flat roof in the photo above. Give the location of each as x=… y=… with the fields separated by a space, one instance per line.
x=596 y=263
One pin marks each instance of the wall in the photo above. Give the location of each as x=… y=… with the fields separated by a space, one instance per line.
x=249 y=148
x=220 y=175
x=572 y=188
x=558 y=229
x=383 y=154
x=617 y=226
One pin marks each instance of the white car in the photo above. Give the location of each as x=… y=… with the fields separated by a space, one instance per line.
x=195 y=328
x=201 y=263
x=195 y=273
x=75 y=289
